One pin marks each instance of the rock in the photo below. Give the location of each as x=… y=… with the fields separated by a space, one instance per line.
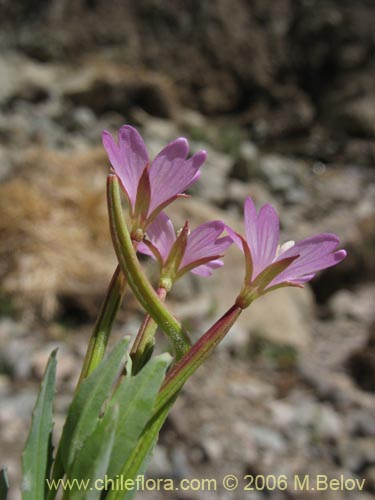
x=246 y=163
x=361 y=363
x=212 y=185
x=105 y=86
x=340 y=185
x=236 y=341
x=328 y=425
x=269 y=439
x=290 y=321
x=23 y=79
x=192 y=121
x=294 y=114
x=361 y=422
x=283 y=175
x=369 y=475
x=160 y=465
x=67 y=366
x=15 y=349
x=83 y=118
x=359 y=151
x=355 y=227
x=357 y=117
x=5 y=164
x=190 y=309
x=9 y=328
x=238 y=191
x=15 y=358
x=255 y=392
x=15 y=411
x=356 y=305
x=158 y=131
x=242 y=433
x=213 y=448
x=5 y=385
x=301 y=418
x=198 y=128
x=180 y=465
x=357 y=454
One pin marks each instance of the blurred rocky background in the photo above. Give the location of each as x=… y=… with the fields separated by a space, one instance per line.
x=281 y=94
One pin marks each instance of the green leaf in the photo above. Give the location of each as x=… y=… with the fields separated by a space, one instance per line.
x=135 y=398
x=139 y=458
x=103 y=326
x=129 y=495
x=50 y=462
x=85 y=409
x=4 y=484
x=35 y=455
x=89 y=468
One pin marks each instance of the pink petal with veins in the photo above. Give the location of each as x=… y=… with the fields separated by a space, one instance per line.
x=315 y=253
x=267 y=238
x=128 y=158
x=206 y=269
x=204 y=242
x=171 y=174
x=161 y=233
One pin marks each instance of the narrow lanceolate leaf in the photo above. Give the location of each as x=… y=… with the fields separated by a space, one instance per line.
x=103 y=326
x=91 y=463
x=135 y=398
x=4 y=484
x=84 y=411
x=137 y=462
x=35 y=455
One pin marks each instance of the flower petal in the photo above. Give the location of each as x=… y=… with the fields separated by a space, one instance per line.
x=315 y=253
x=304 y=279
x=236 y=238
x=171 y=173
x=162 y=235
x=206 y=269
x=204 y=242
x=134 y=159
x=262 y=235
x=250 y=219
x=268 y=233
x=145 y=250
x=112 y=150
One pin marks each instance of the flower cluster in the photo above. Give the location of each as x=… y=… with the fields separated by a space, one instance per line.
x=149 y=188
x=121 y=402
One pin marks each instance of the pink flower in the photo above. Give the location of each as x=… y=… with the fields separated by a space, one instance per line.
x=270 y=265
x=149 y=188
x=198 y=251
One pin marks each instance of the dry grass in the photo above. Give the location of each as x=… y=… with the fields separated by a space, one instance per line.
x=54 y=232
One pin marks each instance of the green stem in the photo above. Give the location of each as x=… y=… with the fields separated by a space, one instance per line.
x=173 y=383
x=103 y=326
x=199 y=352
x=135 y=277
x=145 y=340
